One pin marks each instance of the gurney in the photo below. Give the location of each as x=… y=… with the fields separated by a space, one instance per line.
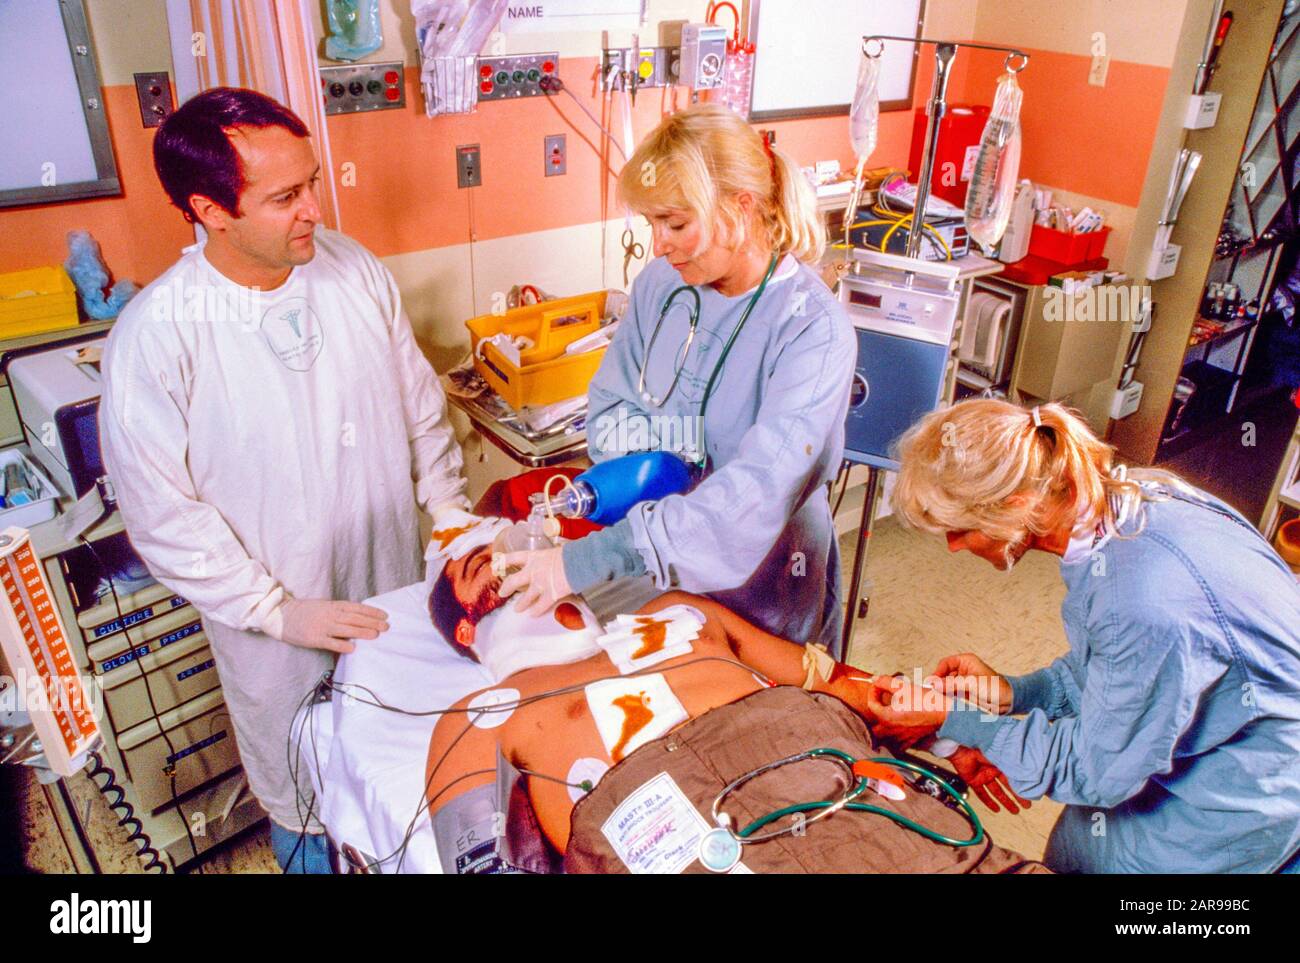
x=367 y=763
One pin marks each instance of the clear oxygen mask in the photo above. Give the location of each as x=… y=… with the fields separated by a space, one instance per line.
x=530 y=535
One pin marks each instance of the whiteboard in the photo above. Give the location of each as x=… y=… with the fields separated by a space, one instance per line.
x=53 y=133
x=570 y=16
x=807 y=53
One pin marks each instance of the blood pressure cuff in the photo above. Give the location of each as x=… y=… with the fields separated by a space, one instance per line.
x=709 y=752
x=493 y=829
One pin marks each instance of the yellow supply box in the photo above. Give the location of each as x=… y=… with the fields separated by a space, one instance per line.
x=545 y=374
x=42 y=299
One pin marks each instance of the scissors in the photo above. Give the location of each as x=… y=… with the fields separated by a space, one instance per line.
x=632 y=250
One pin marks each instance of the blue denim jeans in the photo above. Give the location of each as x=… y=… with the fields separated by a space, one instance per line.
x=311 y=853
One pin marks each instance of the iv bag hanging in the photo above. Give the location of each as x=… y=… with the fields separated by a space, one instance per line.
x=864 y=115
x=997 y=165
x=864 y=123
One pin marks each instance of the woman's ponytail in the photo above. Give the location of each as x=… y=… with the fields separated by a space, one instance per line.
x=794 y=223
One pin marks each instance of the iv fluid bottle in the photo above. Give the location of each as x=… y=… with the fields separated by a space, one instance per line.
x=740 y=80
x=997 y=167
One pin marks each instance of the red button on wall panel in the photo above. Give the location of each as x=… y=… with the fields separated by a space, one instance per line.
x=485 y=71
x=392 y=93
x=548 y=67
x=485 y=86
x=390 y=77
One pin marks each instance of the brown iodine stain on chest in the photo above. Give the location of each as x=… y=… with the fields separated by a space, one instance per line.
x=636 y=716
x=652 y=632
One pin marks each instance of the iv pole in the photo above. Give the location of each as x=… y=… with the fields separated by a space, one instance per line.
x=944 y=53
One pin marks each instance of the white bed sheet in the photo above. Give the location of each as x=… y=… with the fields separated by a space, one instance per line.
x=372 y=760
x=368 y=763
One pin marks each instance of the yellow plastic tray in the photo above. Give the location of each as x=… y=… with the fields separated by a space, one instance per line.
x=42 y=299
x=545 y=373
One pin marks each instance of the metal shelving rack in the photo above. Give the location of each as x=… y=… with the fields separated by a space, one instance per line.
x=1263 y=213
x=1275 y=133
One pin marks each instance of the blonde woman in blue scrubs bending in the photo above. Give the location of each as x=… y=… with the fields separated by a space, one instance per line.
x=1171 y=728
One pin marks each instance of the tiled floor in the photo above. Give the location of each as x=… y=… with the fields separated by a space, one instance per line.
x=925 y=604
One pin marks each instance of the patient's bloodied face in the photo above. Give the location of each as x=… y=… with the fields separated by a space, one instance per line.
x=467 y=591
x=473 y=583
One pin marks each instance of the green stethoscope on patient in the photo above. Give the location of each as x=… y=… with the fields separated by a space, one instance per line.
x=679 y=365
x=720 y=849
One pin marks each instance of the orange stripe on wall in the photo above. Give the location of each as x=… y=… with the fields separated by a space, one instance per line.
x=140 y=232
x=1090 y=140
x=405 y=196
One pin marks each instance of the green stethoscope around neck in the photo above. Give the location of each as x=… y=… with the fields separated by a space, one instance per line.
x=657 y=401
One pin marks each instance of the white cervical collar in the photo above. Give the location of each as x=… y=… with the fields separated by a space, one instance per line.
x=507 y=641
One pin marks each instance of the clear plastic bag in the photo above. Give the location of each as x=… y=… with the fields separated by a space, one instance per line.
x=864 y=115
x=864 y=126
x=450 y=34
x=354 y=30
x=997 y=166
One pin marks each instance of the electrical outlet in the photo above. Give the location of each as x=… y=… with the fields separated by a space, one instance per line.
x=469 y=168
x=1097 y=73
x=555 y=155
x=1126 y=400
x=154 y=91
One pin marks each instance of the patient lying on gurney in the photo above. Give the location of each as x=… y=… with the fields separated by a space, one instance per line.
x=582 y=712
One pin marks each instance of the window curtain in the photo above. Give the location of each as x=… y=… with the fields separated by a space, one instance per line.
x=265 y=45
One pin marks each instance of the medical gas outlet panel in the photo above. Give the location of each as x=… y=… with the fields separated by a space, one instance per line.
x=356 y=88
x=623 y=67
x=508 y=78
x=699 y=62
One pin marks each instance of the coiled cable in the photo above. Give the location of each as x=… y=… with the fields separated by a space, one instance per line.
x=126 y=812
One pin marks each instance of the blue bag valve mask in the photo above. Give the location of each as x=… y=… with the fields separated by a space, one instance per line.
x=605 y=493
